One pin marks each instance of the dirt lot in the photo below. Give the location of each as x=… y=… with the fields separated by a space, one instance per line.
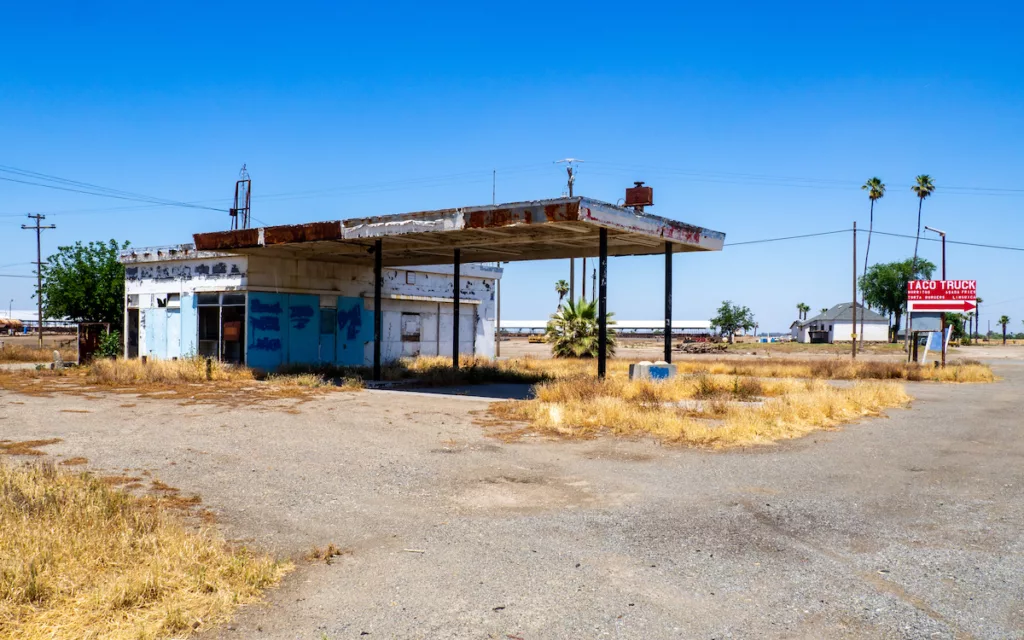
x=908 y=527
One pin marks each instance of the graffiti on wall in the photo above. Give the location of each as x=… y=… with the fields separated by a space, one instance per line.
x=300 y=315
x=137 y=273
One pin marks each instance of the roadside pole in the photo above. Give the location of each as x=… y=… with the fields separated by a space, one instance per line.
x=39 y=268
x=853 y=335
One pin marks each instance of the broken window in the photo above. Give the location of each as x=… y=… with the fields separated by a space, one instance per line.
x=222 y=326
x=410 y=327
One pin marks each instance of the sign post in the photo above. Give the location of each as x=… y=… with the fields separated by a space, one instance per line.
x=941 y=296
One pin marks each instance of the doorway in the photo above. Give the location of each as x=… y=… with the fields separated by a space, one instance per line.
x=133 y=333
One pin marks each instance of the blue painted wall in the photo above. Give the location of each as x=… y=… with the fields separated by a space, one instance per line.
x=189 y=326
x=267 y=330
x=303 y=329
x=355 y=329
x=285 y=329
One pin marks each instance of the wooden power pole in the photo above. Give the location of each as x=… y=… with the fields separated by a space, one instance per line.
x=39 y=267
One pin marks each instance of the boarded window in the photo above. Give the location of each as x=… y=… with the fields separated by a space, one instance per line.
x=410 y=327
x=328 y=321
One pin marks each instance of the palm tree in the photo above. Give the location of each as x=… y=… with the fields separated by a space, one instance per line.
x=977 y=316
x=969 y=325
x=561 y=288
x=573 y=330
x=923 y=189
x=1004 y=320
x=876 y=189
x=824 y=309
x=802 y=310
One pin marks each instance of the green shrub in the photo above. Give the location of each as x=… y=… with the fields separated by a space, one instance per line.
x=110 y=345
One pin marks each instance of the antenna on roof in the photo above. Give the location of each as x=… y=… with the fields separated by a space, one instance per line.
x=570 y=169
x=243 y=188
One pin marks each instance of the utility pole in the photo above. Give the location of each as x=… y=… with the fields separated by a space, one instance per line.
x=853 y=335
x=943 y=234
x=494 y=185
x=39 y=267
x=570 y=169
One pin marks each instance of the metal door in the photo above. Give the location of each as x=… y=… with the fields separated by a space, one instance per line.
x=328 y=335
x=173 y=333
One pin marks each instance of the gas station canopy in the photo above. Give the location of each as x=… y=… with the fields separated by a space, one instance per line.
x=537 y=230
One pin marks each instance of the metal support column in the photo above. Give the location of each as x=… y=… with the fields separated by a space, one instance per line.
x=455 y=318
x=602 y=305
x=668 y=302
x=378 y=313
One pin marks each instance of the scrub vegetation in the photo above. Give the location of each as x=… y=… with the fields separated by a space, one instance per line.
x=702 y=410
x=31 y=353
x=81 y=559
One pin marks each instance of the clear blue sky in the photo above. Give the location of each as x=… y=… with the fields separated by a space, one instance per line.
x=759 y=121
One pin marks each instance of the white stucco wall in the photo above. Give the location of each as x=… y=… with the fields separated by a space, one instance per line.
x=426 y=292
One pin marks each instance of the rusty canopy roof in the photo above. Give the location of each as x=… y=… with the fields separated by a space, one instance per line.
x=538 y=230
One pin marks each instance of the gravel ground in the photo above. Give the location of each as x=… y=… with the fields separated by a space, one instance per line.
x=907 y=527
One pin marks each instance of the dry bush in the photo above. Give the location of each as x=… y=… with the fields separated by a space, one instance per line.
x=79 y=559
x=804 y=407
x=840 y=369
x=124 y=371
x=25 y=353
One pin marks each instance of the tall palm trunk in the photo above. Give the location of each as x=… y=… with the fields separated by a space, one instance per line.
x=867 y=251
x=917 y=239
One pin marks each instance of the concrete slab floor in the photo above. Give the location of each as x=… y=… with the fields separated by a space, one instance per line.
x=906 y=527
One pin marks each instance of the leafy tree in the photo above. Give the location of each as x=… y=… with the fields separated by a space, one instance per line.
x=876 y=190
x=1004 y=320
x=957 y=322
x=561 y=288
x=573 y=330
x=923 y=189
x=85 y=283
x=731 y=318
x=885 y=286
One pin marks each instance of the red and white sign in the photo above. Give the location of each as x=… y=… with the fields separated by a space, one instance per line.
x=933 y=296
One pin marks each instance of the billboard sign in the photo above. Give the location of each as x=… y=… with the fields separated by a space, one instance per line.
x=945 y=296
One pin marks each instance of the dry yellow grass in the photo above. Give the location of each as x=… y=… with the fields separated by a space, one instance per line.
x=579 y=408
x=122 y=371
x=173 y=380
x=79 y=559
x=27 y=353
x=822 y=368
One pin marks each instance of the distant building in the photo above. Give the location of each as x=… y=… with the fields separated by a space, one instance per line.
x=836 y=325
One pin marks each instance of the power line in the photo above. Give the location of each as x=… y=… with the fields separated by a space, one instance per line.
x=13 y=275
x=806 y=235
x=961 y=242
x=74 y=186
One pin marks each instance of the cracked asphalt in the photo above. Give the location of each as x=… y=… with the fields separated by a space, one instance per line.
x=910 y=526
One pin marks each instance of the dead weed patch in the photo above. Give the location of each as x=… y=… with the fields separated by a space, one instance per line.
x=564 y=409
x=80 y=559
x=26 y=447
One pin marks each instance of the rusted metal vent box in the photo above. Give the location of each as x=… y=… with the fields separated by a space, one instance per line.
x=639 y=196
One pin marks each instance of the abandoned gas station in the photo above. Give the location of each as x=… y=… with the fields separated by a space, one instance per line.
x=453 y=246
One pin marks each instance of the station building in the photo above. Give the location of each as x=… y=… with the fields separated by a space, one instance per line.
x=267 y=312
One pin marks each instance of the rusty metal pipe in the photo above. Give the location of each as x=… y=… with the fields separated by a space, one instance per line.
x=602 y=305
x=455 y=319
x=378 y=314
x=668 y=302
